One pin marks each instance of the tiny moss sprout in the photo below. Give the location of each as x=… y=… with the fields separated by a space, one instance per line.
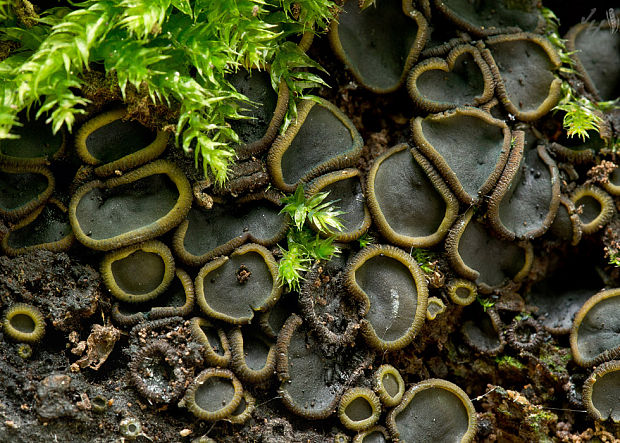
x=425 y=258
x=365 y=240
x=485 y=303
x=582 y=115
x=303 y=245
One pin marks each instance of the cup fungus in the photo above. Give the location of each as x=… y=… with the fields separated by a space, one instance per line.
x=433 y=410
x=215 y=394
x=130 y=428
x=36 y=145
x=244 y=410
x=393 y=290
x=595 y=336
x=556 y=299
x=408 y=200
x=366 y=42
x=462 y=79
x=527 y=196
x=577 y=151
x=231 y=288
x=46 y=228
x=24 y=323
x=272 y=320
x=612 y=185
x=359 y=408
x=140 y=205
x=483 y=331
x=435 y=307
x=462 y=292
x=595 y=48
x=567 y=225
x=321 y=139
x=523 y=66
x=488 y=17
x=157 y=374
x=389 y=385
x=597 y=207
x=376 y=434
x=345 y=189
x=263 y=115
x=253 y=356
x=601 y=392
x=138 y=273
x=525 y=334
x=214 y=342
x=206 y=234
x=176 y=300
x=477 y=255
x=312 y=382
x=23 y=188
x=468 y=147
x=111 y=143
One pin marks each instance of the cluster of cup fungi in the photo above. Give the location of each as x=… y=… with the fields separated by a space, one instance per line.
x=479 y=183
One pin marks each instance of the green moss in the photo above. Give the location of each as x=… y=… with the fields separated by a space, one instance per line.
x=539 y=423
x=171 y=53
x=507 y=360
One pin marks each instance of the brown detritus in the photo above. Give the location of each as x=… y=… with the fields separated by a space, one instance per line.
x=201 y=197
x=244 y=178
x=66 y=291
x=100 y=343
x=325 y=307
x=517 y=418
x=599 y=174
x=243 y=274
x=55 y=398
